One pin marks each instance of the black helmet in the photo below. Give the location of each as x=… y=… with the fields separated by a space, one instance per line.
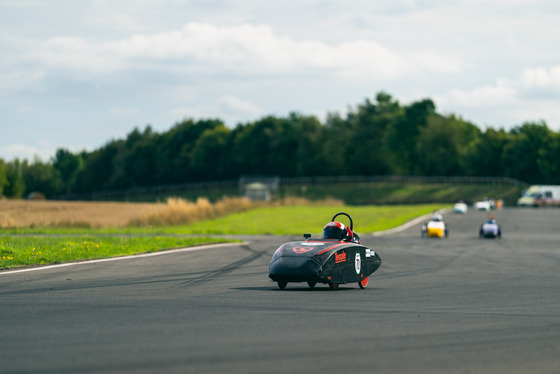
x=334 y=230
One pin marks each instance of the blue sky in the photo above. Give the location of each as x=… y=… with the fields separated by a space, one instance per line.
x=75 y=74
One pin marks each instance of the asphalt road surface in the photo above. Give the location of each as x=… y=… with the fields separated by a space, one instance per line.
x=456 y=305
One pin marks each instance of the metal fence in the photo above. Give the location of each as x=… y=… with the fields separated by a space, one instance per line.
x=402 y=179
x=277 y=183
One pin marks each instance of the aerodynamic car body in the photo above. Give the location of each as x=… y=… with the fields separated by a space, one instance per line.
x=460 y=207
x=334 y=259
x=435 y=228
x=485 y=204
x=490 y=229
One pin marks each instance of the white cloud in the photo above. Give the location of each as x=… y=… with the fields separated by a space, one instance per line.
x=123 y=111
x=508 y=91
x=541 y=78
x=243 y=49
x=18 y=80
x=532 y=96
x=233 y=105
x=43 y=150
x=116 y=20
x=484 y=96
x=229 y=108
x=108 y=66
x=74 y=53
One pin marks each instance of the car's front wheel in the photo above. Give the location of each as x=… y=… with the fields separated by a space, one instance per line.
x=363 y=283
x=282 y=284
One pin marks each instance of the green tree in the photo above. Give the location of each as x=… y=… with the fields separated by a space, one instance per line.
x=15 y=186
x=41 y=177
x=98 y=168
x=444 y=145
x=402 y=136
x=3 y=177
x=524 y=151
x=264 y=147
x=549 y=166
x=67 y=164
x=487 y=156
x=308 y=135
x=176 y=148
x=138 y=160
x=208 y=157
x=367 y=154
x=336 y=145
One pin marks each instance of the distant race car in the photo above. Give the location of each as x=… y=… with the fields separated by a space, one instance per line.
x=460 y=207
x=485 y=204
x=435 y=228
x=337 y=258
x=490 y=229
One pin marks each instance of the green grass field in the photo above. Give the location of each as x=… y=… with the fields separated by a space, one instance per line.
x=18 y=251
x=295 y=220
x=29 y=247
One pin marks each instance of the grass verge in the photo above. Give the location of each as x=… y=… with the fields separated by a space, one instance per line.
x=20 y=251
x=295 y=220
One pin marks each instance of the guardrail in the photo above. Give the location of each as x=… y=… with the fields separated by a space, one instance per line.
x=402 y=179
x=235 y=184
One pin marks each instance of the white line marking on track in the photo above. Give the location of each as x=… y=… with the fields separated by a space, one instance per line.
x=160 y=253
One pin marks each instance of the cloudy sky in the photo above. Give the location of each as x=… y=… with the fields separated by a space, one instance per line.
x=75 y=74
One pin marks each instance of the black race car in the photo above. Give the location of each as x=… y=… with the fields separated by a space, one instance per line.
x=337 y=258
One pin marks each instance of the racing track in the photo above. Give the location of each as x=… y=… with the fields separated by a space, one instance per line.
x=457 y=305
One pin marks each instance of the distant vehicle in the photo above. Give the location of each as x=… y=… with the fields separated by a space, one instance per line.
x=490 y=229
x=435 y=228
x=460 y=207
x=540 y=195
x=485 y=204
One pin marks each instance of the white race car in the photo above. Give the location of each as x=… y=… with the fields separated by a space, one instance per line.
x=460 y=207
x=486 y=204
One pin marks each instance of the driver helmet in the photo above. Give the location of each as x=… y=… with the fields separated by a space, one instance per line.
x=334 y=230
x=437 y=217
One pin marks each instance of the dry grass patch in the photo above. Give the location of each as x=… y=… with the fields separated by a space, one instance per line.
x=16 y=214
x=179 y=211
x=27 y=213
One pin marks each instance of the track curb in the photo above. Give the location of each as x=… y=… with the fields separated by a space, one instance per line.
x=151 y=254
x=409 y=224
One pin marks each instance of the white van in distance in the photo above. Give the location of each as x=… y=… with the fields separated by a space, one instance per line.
x=540 y=195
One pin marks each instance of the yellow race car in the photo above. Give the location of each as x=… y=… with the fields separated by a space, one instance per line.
x=435 y=228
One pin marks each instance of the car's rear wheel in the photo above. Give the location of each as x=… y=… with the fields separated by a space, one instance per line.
x=311 y=284
x=363 y=283
x=333 y=286
x=282 y=284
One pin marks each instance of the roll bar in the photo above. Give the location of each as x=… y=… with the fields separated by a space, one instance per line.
x=347 y=215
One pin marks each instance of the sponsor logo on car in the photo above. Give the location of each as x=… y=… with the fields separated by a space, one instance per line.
x=358 y=263
x=301 y=249
x=339 y=257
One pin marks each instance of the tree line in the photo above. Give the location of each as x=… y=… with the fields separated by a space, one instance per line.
x=380 y=137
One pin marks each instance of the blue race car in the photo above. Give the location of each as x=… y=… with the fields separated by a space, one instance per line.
x=490 y=229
